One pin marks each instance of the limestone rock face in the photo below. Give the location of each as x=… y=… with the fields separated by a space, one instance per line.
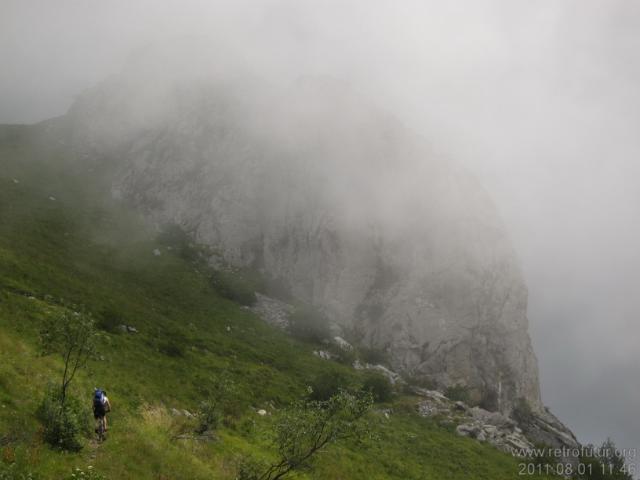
x=338 y=202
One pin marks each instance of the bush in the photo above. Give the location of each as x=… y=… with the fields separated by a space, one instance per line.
x=457 y=393
x=327 y=384
x=373 y=356
x=175 y=237
x=608 y=464
x=208 y=416
x=234 y=287
x=307 y=427
x=249 y=468
x=224 y=402
x=309 y=325
x=173 y=348
x=379 y=387
x=418 y=381
x=64 y=424
x=109 y=320
x=345 y=356
x=522 y=413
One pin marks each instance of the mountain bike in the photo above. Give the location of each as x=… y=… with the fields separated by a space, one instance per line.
x=101 y=429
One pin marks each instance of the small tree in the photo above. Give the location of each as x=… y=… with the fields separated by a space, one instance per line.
x=63 y=424
x=72 y=335
x=457 y=393
x=379 y=386
x=224 y=401
x=110 y=320
x=613 y=462
x=309 y=426
x=327 y=384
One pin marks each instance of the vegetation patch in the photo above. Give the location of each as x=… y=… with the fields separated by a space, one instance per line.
x=87 y=249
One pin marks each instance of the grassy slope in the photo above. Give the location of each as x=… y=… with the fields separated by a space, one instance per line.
x=95 y=253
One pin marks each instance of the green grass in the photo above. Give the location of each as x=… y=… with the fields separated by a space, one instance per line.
x=86 y=249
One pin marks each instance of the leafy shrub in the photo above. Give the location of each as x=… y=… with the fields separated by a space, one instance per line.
x=249 y=468
x=208 y=416
x=522 y=413
x=224 y=402
x=309 y=325
x=327 y=384
x=379 y=386
x=64 y=422
x=458 y=393
x=307 y=427
x=373 y=356
x=234 y=287
x=173 y=348
x=175 y=237
x=345 y=356
x=608 y=464
x=109 y=320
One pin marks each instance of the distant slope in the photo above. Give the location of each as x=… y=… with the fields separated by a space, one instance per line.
x=63 y=240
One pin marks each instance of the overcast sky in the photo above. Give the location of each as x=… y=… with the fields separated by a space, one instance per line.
x=541 y=99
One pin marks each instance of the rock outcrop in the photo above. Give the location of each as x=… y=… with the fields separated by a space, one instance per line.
x=335 y=200
x=542 y=436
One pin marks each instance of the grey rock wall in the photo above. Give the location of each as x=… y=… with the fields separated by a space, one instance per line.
x=339 y=202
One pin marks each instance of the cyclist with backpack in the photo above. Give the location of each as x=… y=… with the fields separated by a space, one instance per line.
x=101 y=406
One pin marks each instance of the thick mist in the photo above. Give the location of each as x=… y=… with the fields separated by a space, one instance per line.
x=540 y=100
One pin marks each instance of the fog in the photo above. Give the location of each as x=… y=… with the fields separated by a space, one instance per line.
x=541 y=100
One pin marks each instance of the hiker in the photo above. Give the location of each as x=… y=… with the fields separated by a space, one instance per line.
x=101 y=406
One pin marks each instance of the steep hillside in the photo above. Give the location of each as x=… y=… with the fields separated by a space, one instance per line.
x=334 y=200
x=64 y=241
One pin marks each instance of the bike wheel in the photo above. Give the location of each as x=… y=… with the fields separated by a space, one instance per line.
x=101 y=436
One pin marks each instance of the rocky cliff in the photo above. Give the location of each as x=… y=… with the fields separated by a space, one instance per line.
x=335 y=200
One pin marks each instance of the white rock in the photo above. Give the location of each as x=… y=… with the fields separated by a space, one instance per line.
x=272 y=311
x=490 y=429
x=323 y=354
x=342 y=343
x=431 y=394
x=157 y=252
x=392 y=376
